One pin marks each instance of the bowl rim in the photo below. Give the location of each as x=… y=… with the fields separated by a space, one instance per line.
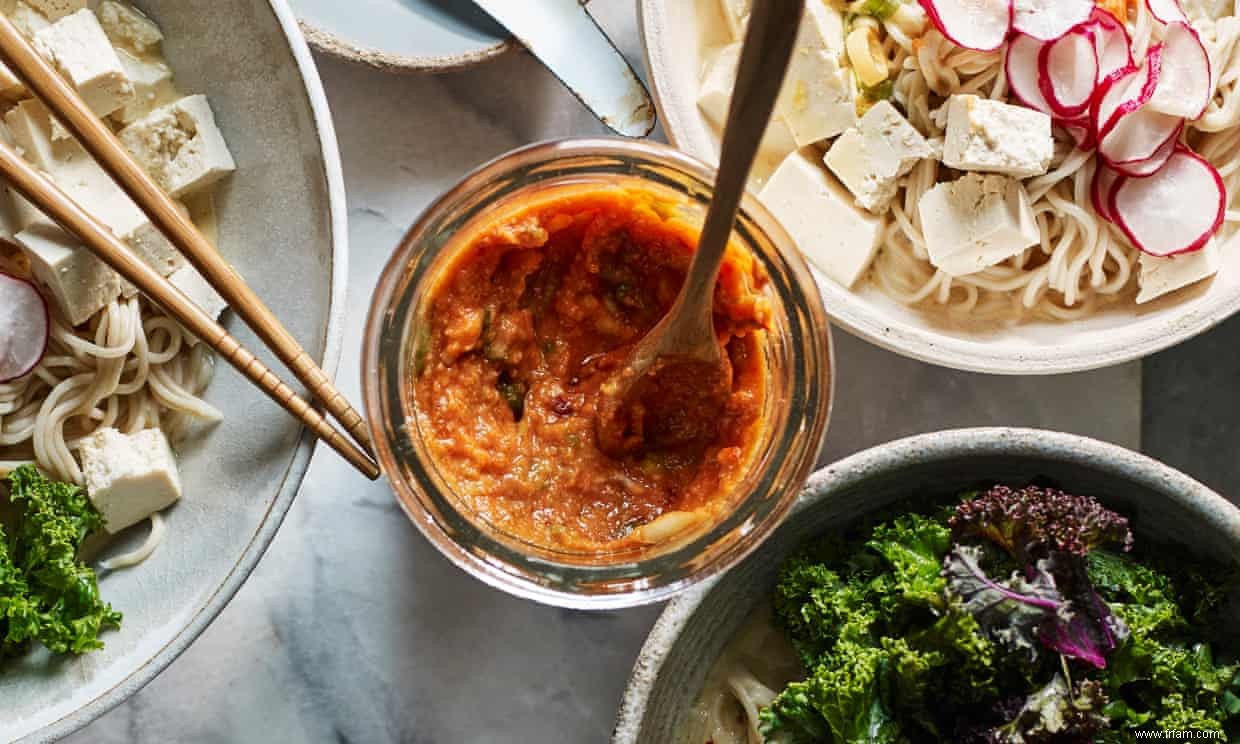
x=930 y=447
x=348 y=50
x=278 y=508
x=853 y=313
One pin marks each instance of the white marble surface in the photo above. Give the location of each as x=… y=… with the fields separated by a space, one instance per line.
x=353 y=629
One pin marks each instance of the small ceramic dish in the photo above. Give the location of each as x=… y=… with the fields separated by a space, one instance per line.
x=281 y=222
x=1161 y=502
x=403 y=35
x=677 y=35
x=795 y=408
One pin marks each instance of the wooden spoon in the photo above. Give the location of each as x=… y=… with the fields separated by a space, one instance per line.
x=678 y=377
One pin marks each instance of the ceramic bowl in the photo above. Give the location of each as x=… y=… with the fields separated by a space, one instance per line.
x=1162 y=503
x=678 y=32
x=403 y=35
x=282 y=224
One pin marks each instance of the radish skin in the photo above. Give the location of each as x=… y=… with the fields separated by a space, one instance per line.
x=24 y=327
x=1068 y=73
x=1177 y=210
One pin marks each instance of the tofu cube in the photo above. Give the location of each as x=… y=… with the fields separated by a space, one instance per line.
x=736 y=15
x=976 y=221
x=993 y=137
x=27 y=20
x=1160 y=276
x=77 y=47
x=152 y=87
x=819 y=214
x=80 y=284
x=129 y=477
x=128 y=28
x=871 y=157
x=818 y=99
x=54 y=10
x=194 y=286
x=180 y=146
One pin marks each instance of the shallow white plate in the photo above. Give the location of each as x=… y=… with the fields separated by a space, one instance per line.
x=677 y=33
x=282 y=223
x=403 y=35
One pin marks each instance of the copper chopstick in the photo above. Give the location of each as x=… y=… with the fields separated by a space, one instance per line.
x=57 y=205
x=65 y=103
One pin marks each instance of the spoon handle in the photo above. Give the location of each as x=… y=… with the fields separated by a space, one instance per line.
x=769 y=40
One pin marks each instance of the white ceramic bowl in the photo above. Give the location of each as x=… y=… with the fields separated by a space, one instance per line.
x=1162 y=503
x=676 y=35
x=282 y=223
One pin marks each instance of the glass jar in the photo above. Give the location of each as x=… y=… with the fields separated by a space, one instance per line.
x=798 y=358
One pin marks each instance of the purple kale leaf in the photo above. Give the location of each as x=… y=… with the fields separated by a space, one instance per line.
x=1032 y=522
x=1084 y=628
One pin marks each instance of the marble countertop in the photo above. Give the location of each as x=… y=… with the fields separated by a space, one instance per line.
x=354 y=629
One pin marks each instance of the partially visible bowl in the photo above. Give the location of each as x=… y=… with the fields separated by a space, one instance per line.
x=1161 y=502
x=677 y=34
x=281 y=222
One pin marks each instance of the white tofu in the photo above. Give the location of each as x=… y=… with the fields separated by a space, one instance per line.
x=129 y=477
x=716 y=93
x=80 y=284
x=180 y=146
x=128 y=28
x=1160 y=276
x=736 y=15
x=81 y=177
x=152 y=87
x=819 y=214
x=27 y=20
x=54 y=10
x=77 y=47
x=194 y=286
x=993 y=137
x=870 y=158
x=818 y=99
x=976 y=221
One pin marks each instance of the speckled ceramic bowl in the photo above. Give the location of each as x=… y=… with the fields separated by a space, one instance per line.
x=282 y=224
x=1163 y=504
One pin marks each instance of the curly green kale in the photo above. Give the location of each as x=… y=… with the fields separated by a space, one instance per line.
x=46 y=593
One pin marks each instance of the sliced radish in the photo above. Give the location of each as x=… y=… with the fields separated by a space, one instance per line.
x=1068 y=73
x=974 y=24
x=1184 y=81
x=1167 y=11
x=1126 y=91
x=1137 y=137
x=1049 y=19
x=1112 y=42
x=1081 y=131
x=1176 y=210
x=1152 y=164
x=1100 y=190
x=1021 y=66
x=24 y=324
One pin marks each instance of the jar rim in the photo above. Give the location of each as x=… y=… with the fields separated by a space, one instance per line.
x=534 y=573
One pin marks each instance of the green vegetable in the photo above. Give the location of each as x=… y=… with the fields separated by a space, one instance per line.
x=880 y=9
x=46 y=593
x=513 y=392
x=909 y=637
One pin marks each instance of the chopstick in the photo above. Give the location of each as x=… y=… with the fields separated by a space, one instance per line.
x=98 y=140
x=42 y=192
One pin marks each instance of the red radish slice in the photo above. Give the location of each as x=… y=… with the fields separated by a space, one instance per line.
x=1138 y=136
x=1112 y=43
x=1100 y=190
x=1184 y=81
x=1176 y=210
x=1167 y=11
x=24 y=324
x=1126 y=91
x=1152 y=164
x=974 y=24
x=1049 y=19
x=1081 y=130
x=1021 y=66
x=1068 y=73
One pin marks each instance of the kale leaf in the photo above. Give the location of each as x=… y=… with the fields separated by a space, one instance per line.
x=46 y=593
x=1058 y=712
